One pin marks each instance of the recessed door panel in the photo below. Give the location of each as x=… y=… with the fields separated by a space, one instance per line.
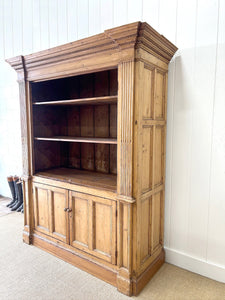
x=156 y=221
x=41 y=209
x=93 y=225
x=51 y=216
x=102 y=228
x=78 y=221
x=59 y=217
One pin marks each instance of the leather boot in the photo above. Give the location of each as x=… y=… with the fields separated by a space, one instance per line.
x=12 y=190
x=20 y=208
x=19 y=195
x=15 y=179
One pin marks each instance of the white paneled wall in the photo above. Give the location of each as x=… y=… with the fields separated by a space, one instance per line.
x=195 y=170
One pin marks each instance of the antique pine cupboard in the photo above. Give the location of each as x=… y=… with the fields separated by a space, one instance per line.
x=93 y=115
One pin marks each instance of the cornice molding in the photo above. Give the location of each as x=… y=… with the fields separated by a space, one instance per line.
x=116 y=40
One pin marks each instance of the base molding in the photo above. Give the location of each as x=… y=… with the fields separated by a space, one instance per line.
x=27 y=238
x=124 y=282
x=196 y=265
x=75 y=259
x=140 y=282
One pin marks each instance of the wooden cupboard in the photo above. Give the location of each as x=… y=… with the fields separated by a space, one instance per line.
x=93 y=123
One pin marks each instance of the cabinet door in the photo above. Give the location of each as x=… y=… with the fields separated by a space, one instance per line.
x=50 y=217
x=93 y=225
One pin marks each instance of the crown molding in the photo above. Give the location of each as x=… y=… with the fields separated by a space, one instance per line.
x=112 y=41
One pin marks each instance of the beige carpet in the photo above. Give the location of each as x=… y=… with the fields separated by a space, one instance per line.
x=27 y=272
x=4 y=210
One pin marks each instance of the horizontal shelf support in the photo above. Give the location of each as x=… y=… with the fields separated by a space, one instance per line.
x=81 y=101
x=78 y=139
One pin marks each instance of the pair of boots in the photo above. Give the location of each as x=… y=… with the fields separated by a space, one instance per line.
x=17 y=193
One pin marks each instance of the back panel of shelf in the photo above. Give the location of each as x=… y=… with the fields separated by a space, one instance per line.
x=88 y=121
x=97 y=84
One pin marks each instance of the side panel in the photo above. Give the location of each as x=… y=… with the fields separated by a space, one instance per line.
x=149 y=149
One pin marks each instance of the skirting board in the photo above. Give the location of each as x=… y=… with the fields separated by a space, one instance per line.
x=196 y=265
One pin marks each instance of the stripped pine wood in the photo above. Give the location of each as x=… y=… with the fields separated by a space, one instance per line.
x=94 y=125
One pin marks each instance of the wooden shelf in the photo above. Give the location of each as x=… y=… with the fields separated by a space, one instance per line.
x=82 y=177
x=78 y=139
x=82 y=101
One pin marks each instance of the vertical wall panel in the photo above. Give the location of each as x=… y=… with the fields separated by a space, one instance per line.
x=2 y=44
x=82 y=18
x=8 y=29
x=17 y=27
x=134 y=10
x=62 y=22
x=106 y=14
x=216 y=225
x=151 y=12
x=94 y=17
x=120 y=12
x=36 y=26
x=72 y=20
x=27 y=26
x=53 y=23
x=44 y=24
x=205 y=59
x=168 y=19
x=181 y=133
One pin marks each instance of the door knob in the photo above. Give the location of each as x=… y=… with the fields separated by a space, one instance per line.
x=65 y=209
x=69 y=210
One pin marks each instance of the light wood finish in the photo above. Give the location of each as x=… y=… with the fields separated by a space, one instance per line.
x=77 y=140
x=49 y=214
x=84 y=101
x=92 y=225
x=81 y=177
x=96 y=161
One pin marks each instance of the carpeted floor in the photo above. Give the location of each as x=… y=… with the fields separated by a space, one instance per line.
x=27 y=272
x=4 y=210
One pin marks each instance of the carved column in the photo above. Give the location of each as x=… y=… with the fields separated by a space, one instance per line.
x=25 y=117
x=125 y=175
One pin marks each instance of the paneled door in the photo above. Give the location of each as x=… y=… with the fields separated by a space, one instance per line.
x=51 y=211
x=93 y=225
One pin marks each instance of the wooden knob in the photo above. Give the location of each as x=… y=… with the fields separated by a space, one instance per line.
x=65 y=209
x=69 y=210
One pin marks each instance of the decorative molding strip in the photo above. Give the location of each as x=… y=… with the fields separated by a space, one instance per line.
x=148 y=193
x=125 y=199
x=119 y=39
x=196 y=265
x=154 y=43
x=125 y=124
x=150 y=66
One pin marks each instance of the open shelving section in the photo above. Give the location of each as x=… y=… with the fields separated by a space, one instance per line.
x=75 y=127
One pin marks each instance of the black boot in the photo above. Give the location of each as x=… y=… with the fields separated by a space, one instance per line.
x=20 y=208
x=19 y=195
x=22 y=211
x=12 y=190
x=15 y=179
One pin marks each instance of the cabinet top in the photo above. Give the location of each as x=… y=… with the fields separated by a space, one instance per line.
x=118 y=44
